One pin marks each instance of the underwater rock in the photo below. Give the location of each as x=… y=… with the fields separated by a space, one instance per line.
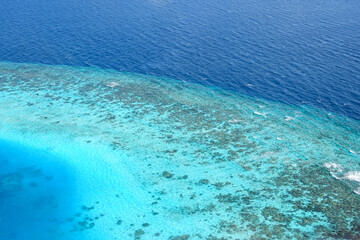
x=10 y=182
x=138 y=234
x=183 y=237
x=167 y=174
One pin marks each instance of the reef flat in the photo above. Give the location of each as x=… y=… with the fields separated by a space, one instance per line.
x=143 y=157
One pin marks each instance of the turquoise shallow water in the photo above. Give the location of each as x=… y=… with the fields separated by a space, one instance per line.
x=100 y=154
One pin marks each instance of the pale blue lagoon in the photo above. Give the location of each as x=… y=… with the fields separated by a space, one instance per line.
x=88 y=153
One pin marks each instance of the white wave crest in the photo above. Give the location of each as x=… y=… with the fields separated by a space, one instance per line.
x=333 y=167
x=353 y=176
x=112 y=84
x=261 y=114
x=288 y=118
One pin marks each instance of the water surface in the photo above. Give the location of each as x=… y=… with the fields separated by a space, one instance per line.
x=143 y=157
x=290 y=51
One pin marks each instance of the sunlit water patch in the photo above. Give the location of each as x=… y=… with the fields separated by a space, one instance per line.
x=123 y=156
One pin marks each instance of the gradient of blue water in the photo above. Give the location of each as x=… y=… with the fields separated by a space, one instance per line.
x=170 y=157
x=298 y=52
x=34 y=186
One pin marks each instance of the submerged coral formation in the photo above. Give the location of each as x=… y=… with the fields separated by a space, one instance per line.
x=195 y=162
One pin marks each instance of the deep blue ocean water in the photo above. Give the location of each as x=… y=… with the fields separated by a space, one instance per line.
x=297 y=52
x=179 y=120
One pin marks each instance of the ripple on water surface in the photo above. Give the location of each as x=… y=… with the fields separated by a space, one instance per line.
x=158 y=158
